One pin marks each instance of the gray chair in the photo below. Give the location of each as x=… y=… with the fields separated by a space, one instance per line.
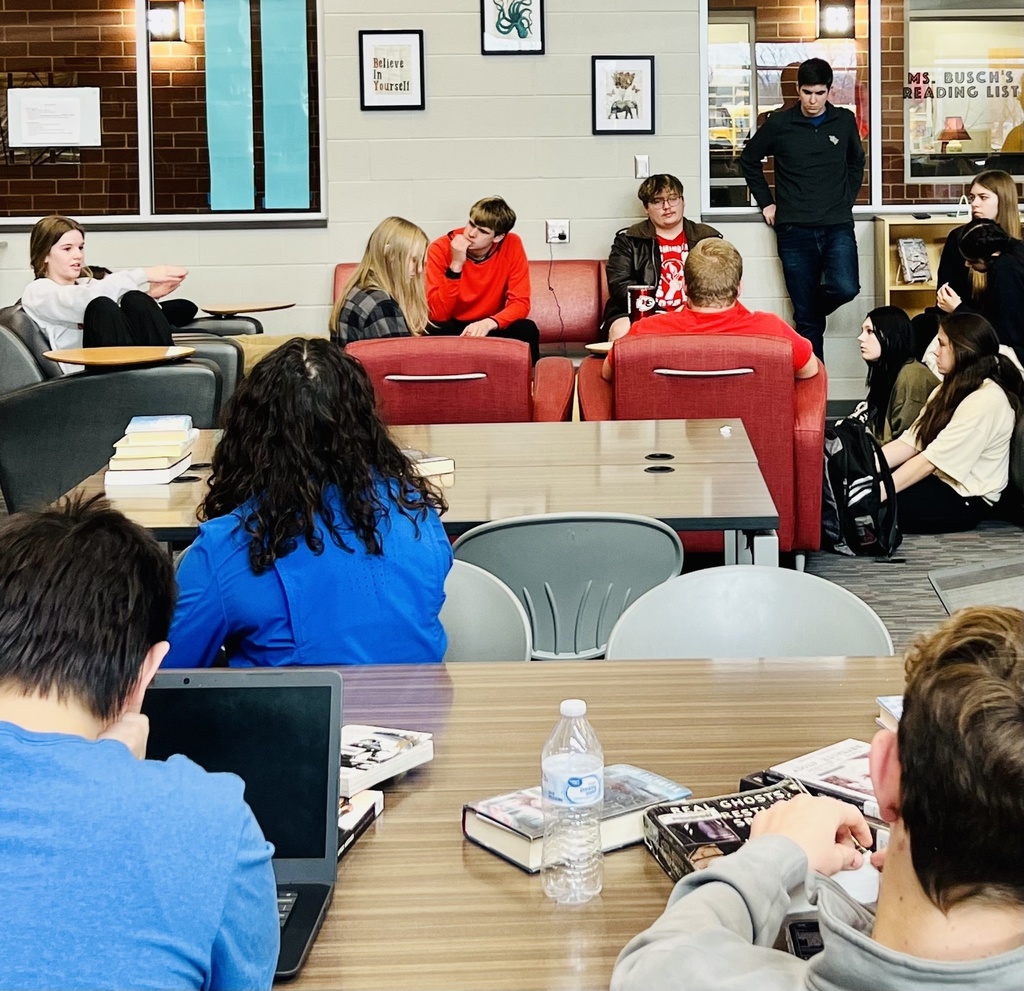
x=574 y=572
x=482 y=617
x=227 y=355
x=748 y=611
x=54 y=434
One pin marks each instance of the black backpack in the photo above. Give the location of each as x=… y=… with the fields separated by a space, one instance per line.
x=854 y=520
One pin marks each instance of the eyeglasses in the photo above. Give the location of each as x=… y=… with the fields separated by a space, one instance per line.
x=666 y=201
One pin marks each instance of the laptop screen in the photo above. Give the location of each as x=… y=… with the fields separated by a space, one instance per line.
x=276 y=739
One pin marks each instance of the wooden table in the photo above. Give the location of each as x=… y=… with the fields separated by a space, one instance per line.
x=140 y=354
x=515 y=469
x=419 y=907
x=232 y=309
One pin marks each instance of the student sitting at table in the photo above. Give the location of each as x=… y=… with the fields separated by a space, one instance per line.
x=950 y=785
x=385 y=296
x=322 y=545
x=75 y=310
x=115 y=871
x=713 y=272
x=954 y=461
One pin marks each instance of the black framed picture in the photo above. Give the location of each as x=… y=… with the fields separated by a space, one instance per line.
x=623 y=94
x=512 y=27
x=391 y=70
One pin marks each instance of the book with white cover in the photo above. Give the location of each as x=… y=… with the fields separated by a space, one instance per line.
x=150 y=476
x=371 y=754
x=150 y=424
x=841 y=768
x=429 y=465
x=141 y=446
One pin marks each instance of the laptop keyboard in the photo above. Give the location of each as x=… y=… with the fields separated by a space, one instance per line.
x=285 y=903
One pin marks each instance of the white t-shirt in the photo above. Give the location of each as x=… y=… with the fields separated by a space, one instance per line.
x=972 y=452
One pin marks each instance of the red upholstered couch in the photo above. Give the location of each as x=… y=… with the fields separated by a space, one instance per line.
x=750 y=378
x=566 y=300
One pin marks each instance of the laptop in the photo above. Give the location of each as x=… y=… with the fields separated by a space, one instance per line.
x=279 y=731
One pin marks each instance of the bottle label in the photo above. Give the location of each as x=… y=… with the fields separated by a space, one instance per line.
x=574 y=790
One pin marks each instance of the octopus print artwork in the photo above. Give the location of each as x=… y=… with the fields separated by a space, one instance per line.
x=512 y=27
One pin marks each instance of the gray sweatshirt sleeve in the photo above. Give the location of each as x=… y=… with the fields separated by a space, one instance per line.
x=719 y=925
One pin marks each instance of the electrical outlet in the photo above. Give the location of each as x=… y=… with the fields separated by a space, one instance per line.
x=557 y=231
x=641 y=166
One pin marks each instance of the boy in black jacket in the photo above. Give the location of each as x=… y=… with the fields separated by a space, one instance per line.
x=819 y=169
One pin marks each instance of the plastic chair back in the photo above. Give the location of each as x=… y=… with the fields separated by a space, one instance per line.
x=748 y=611
x=574 y=572
x=482 y=617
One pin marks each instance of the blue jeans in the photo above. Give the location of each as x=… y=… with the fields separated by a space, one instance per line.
x=820 y=267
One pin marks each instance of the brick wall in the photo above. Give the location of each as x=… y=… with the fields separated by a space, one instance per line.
x=92 y=43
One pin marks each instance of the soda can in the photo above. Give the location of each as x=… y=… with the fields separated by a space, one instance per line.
x=641 y=301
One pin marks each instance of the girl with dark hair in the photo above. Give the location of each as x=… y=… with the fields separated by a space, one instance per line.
x=954 y=460
x=321 y=544
x=898 y=384
x=75 y=310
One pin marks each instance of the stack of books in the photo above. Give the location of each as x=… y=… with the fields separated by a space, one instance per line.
x=153 y=451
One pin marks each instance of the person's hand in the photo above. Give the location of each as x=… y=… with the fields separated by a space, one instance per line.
x=164 y=279
x=945 y=299
x=131 y=729
x=480 y=328
x=878 y=859
x=460 y=245
x=827 y=830
x=769 y=214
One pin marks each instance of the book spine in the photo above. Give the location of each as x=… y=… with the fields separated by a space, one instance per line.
x=663 y=845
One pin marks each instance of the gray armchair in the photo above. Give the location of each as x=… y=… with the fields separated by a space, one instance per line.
x=55 y=433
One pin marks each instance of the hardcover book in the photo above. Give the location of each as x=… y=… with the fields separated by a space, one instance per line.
x=147 y=476
x=890 y=709
x=512 y=825
x=168 y=422
x=132 y=446
x=371 y=754
x=840 y=769
x=686 y=836
x=914 y=264
x=355 y=815
x=429 y=465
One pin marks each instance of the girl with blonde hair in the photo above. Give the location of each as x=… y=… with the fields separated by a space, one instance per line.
x=385 y=296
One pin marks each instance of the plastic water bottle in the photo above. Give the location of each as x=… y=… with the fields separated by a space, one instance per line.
x=572 y=773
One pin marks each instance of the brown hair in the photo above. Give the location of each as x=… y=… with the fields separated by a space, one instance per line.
x=1002 y=184
x=658 y=185
x=46 y=233
x=961 y=752
x=713 y=271
x=385 y=266
x=493 y=213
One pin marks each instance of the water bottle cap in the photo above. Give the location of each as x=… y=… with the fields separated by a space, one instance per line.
x=573 y=708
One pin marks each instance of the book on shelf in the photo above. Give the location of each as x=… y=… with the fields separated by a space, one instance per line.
x=161 y=423
x=355 y=815
x=428 y=465
x=914 y=264
x=512 y=825
x=687 y=836
x=890 y=709
x=372 y=754
x=839 y=770
x=147 y=476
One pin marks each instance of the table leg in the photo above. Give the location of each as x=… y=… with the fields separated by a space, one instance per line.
x=731 y=543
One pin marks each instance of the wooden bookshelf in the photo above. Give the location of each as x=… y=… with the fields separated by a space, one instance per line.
x=888 y=285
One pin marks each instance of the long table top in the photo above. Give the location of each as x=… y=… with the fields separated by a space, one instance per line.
x=711 y=482
x=417 y=906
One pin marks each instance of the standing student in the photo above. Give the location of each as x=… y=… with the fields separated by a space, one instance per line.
x=478 y=279
x=652 y=252
x=115 y=871
x=819 y=169
x=385 y=296
x=75 y=310
x=898 y=384
x=321 y=544
x=954 y=461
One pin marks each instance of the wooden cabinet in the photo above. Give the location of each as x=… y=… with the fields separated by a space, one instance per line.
x=889 y=285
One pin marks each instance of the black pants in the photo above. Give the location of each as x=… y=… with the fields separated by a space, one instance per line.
x=932 y=506
x=518 y=330
x=138 y=319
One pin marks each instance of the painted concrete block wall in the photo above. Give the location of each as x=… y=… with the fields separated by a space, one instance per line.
x=519 y=126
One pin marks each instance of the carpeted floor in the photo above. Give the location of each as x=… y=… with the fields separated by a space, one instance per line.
x=899 y=590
